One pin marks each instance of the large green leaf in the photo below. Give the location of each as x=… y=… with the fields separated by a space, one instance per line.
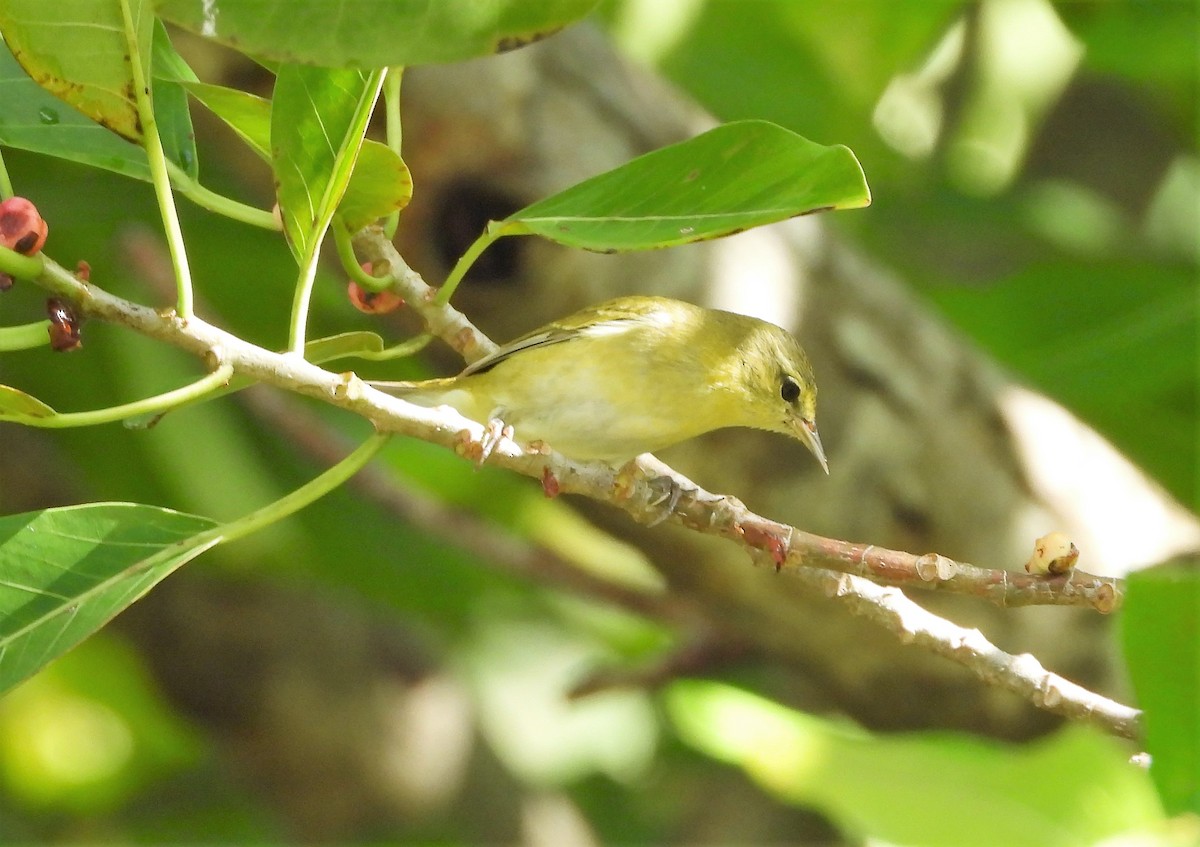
x=380 y=183
x=33 y=119
x=932 y=789
x=78 y=50
x=736 y=176
x=318 y=118
x=373 y=33
x=1160 y=632
x=66 y=572
x=1104 y=339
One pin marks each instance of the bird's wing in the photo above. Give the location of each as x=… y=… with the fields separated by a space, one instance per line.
x=603 y=319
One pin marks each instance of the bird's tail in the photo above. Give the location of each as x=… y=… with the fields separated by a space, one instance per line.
x=425 y=392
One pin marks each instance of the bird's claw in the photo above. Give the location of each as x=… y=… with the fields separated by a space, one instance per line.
x=664 y=488
x=478 y=450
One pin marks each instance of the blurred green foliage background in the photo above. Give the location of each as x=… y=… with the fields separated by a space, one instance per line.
x=1035 y=175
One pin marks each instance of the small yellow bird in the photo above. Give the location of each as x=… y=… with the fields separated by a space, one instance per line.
x=632 y=376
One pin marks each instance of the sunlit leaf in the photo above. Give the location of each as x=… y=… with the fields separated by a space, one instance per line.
x=78 y=50
x=247 y=115
x=1103 y=339
x=33 y=119
x=736 y=176
x=380 y=185
x=934 y=789
x=371 y=33
x=318 y=117
x=66 y=572
x=1160 y=631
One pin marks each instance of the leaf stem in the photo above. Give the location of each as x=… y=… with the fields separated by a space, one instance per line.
x=301 y=298
x=391 y=102
x=18 y=265
x=206 y=198
x=490 y=234
x=157 y=403
x=397 y=351
x=345 y=251
x=285 y=506
x=23 y=337
x=305 y=494
x=158 y=169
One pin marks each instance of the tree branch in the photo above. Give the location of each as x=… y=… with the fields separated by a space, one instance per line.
x=641 y=496
x=1022 y=674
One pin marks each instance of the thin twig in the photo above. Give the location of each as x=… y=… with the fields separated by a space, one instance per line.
x=444 y=321
x=1022 y=674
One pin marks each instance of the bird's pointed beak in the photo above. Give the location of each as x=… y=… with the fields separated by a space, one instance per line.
x=807 y=431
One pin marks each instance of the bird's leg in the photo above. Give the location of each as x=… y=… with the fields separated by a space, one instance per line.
x=666 y=485
x=493 y=433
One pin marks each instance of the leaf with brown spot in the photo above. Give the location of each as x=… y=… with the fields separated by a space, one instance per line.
x=368 y=34
x=77 y=50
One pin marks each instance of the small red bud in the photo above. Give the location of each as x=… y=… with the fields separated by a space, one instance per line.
x=550 y=484
x=6 y=281
x=21 y=227
x=64 y=326
x=83 y=271
x=373 y=302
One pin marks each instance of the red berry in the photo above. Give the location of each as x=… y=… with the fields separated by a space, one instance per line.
x=21 y=227
x=373 y=302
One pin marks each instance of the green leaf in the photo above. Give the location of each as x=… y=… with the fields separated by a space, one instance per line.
x=318 y=118
x=77 y=50
x=380 y=185
x=1160 y=632
x=15 y=404
x=171 y=104
x=247 y=115
x=373 y=34
x=66 y=572
x=1102 y=339
x=931 y=789
x=341 y=346
x=33 y=119
x=736 y=176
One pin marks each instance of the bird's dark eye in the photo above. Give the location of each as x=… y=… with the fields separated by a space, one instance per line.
x=789 y=389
